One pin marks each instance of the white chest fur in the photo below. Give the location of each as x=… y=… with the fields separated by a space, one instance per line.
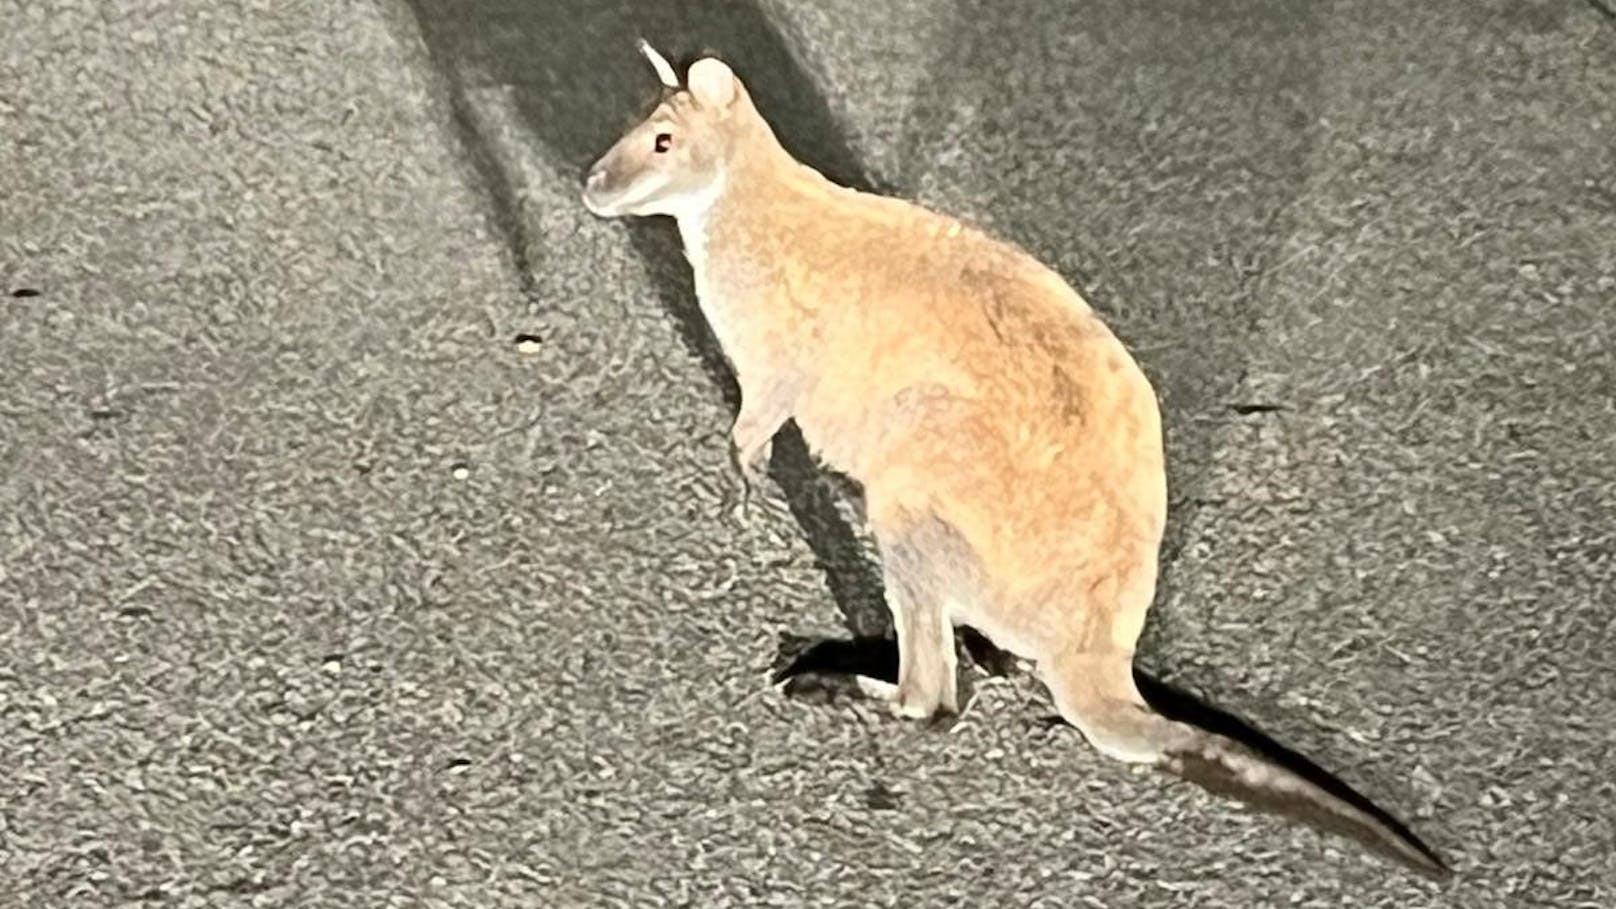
x=694 y=232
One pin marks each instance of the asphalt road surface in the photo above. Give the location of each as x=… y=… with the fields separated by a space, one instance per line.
x=362 y=524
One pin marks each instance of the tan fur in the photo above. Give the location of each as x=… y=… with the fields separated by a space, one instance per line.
x=1009 y=447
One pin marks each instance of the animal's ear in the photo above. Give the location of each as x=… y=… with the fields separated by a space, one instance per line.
x=664 y=69
x=712 y=82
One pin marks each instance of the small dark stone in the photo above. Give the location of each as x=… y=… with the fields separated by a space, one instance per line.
x=1248 y=409
x=880 y=798
x=25 y=292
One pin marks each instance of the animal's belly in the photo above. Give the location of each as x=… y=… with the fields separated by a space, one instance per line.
x=863 y=434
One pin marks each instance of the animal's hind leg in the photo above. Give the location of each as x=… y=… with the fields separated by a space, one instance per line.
x=1095 y=692
x=1091 y=673
x=918 y=569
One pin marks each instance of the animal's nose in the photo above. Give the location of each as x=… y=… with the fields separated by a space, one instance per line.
x=594 y=186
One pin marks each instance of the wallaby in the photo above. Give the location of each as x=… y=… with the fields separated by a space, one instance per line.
x=1009 y=447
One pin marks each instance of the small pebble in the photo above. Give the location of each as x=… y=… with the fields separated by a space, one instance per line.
x=461 y=472
x=528 y=345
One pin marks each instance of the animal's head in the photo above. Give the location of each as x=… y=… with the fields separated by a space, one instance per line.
x=675 y=161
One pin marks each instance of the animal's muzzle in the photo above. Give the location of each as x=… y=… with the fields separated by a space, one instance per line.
x=596 y=190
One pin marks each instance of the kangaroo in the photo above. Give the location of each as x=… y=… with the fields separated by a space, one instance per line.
x=1009 y=446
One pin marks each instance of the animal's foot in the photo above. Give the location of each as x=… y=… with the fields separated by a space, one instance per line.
x=912 y=703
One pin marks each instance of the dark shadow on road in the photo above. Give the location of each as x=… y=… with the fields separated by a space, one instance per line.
x=875 y=656
x=572 y=72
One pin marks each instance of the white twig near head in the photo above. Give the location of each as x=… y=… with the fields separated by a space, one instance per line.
x=664 y=69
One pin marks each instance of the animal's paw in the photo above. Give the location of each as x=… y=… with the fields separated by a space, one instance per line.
x=912 y=704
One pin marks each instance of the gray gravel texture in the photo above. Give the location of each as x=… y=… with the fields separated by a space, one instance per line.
x=317 y=590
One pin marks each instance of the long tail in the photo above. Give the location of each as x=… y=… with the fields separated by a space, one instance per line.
x=1226 y=767
x=1262 y=774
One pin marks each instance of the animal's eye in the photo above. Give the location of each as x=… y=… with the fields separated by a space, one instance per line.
x=664 y=141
